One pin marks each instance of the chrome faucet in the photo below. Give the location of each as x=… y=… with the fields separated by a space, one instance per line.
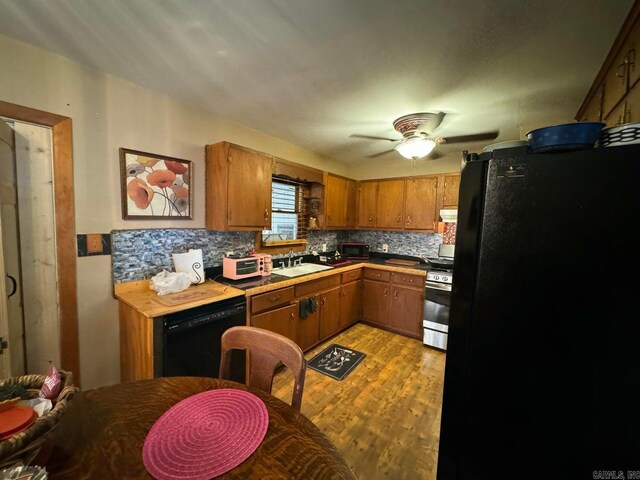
x=290 y=254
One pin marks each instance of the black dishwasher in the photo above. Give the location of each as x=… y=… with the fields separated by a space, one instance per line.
x=187 y=343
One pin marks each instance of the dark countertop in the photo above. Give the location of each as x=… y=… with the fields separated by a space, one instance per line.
x=215 y=273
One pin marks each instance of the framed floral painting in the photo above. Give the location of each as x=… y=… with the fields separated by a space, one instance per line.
x=155 y=186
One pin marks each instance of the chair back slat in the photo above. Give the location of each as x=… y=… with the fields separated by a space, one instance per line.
x=266 y=351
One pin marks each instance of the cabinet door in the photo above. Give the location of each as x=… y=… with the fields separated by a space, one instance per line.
x=450 y=191
x=248 y=189
x=282 y=320
x=335 y=201
x=352 y=191
x=375 y=304
x=389 y=204
x=617 y=116
x=421 y=211
x=632 y=47
x=407 y=306
x=350 y=302
x=329 y=312
x=367 y=194
x=308 y=328
x=633 y=105
x=615 y=83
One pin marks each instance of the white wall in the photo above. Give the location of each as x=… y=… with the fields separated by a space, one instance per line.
x=109 y=113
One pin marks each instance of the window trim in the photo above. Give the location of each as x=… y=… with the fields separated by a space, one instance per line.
x=283 y=246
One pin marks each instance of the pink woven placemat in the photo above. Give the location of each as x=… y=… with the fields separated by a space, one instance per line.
x=205 y=435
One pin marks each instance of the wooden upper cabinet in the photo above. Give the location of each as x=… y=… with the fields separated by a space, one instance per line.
x=238 y=188
x=335 y=198
x=450 y=190
x=352 y=193
x=389 y=204
x=615 y=84
x=421 y=212
x=367 y=195
x=617 y=77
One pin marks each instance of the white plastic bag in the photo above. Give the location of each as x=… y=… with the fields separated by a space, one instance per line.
x=169 y=282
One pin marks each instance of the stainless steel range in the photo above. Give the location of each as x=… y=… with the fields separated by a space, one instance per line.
x=437 y=300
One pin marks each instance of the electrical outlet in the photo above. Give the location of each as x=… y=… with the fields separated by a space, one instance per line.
x=385 y=247
x=228 y=254
x=324 y=247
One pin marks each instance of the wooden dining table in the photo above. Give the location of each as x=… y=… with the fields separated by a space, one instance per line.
x=103 y=432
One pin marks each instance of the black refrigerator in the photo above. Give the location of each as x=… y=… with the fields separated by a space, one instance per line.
x=542 y=375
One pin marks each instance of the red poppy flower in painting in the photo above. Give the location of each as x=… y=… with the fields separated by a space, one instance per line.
x=140 y=193
x=176 y=167
x=161 y=178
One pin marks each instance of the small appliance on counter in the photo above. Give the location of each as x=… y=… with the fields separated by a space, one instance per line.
x=264 y=263
x=332 y=258
x=356 y=250
x=237 y=267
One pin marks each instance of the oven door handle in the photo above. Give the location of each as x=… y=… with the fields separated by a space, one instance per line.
x=438 y=286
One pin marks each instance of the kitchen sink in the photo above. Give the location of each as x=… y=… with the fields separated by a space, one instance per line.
x=301 y=270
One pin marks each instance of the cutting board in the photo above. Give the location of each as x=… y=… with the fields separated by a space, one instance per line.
x=399 y=261
x=191 y=294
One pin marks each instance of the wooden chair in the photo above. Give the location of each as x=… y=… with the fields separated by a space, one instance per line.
x=266 y=350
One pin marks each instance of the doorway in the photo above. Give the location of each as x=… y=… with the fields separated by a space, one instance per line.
x=65 y=232
x=28 y=240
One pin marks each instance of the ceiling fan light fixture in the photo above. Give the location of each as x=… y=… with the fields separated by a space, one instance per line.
x=415 y=147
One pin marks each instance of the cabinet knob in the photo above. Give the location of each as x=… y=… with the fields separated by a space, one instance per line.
x=385 y=291
x=266 y=214
x=408 y=219
x=275 y=298
x=292 y=315
x=395 y=294
x=621 y=71
x=323 y=300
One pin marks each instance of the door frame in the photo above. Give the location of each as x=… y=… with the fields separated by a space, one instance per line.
x=65 y=227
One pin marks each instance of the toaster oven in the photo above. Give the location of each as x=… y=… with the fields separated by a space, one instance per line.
x=237 y=268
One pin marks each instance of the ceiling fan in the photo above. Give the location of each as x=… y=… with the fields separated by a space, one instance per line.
x=418 y=140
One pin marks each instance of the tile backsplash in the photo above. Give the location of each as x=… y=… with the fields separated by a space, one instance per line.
x=141 y=254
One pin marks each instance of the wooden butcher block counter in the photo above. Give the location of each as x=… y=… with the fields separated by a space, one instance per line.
x=147 y=302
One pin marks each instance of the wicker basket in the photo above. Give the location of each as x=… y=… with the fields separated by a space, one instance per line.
x=26 y=445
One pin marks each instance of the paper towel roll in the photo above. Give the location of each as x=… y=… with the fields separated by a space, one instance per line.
x=191 y=264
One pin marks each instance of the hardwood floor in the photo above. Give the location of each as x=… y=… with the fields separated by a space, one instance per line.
x=384 y=417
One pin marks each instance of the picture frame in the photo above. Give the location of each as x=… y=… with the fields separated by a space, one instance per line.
x=155 y=186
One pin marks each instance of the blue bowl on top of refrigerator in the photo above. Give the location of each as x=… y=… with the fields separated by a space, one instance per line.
x=568 y=136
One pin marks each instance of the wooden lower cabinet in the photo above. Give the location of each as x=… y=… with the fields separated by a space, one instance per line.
x=406 y=305
x=308 y=328
x=394 y=302
x=329 y=307
x=350 y=304
x=375 y=305
x=281 y=320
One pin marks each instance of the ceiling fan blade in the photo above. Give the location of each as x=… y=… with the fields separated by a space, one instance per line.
x=379 y=154
x=471 y=138
x=374 y=138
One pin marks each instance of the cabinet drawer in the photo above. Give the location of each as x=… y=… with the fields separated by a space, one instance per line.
x=351 y=276
x=315 y=286
x=266 y=301
x=409 y=280
x=380 y=275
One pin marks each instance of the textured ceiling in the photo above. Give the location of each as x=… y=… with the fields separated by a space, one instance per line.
x=313 y=72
